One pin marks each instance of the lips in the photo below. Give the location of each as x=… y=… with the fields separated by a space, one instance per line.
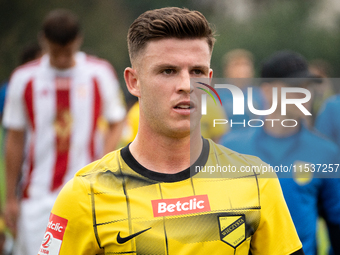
x=184 y=105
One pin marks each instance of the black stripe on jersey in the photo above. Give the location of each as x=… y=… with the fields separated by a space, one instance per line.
x=165 y=235
x=258 y=190
x=94 y=218
x=257 y=183
x=128 y=207
x=192 y=185
x=166 y=238
x=162 y=177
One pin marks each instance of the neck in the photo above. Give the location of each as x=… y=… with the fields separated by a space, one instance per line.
x=274 y=127
x=164 y=154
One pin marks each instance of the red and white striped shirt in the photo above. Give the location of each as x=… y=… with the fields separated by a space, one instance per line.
x=60 y=110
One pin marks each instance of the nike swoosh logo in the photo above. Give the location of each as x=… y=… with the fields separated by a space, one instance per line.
x=122 y=240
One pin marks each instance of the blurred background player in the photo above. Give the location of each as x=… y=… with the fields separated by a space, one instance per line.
x=278 y=145
x=52 y=110
x=238 y=68
x=322 y=91
x=30 y=52
x=328 y=120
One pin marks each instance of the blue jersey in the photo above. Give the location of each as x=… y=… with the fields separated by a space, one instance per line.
x=303 y=193
x=328 y=120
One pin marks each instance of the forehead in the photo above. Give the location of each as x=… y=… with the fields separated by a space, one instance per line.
x=176 y=51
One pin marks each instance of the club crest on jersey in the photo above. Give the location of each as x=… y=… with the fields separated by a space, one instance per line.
x=232 y=229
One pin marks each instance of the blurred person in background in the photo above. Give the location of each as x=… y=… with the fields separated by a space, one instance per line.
x=52 y=111
x=30 y=52
x=238 y=69
x=323 y=69
x=306 y=194
x=328 y=119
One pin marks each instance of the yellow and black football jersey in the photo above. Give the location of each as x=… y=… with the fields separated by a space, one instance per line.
x=117 y=206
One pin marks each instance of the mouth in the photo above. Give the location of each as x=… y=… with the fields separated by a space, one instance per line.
x=184 y=107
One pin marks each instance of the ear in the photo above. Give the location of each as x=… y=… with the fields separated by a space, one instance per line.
x=210 y=73
x=131 y=80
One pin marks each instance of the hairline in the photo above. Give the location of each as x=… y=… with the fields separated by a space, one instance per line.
x=141 y=51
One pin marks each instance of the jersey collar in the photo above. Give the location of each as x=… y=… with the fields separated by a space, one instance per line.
x=162 y=177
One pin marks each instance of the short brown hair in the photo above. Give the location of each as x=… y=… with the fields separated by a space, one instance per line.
x=61 y=26
x=170 y=22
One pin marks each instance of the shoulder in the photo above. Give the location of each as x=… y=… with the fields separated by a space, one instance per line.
x=243 y=164
x=108 y=162
x=80 y=185
x=99 y=63
x=26 y=71
x=334 y=100
x=331 y=104
x=318 y=141
x=224 y=151
x=22 y=77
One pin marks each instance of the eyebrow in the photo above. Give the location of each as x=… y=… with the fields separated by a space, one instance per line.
x=169 y=66
x=205 y=68
x=164 y=66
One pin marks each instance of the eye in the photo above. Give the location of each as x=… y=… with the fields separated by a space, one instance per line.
x=197 y=72
x=168 y=71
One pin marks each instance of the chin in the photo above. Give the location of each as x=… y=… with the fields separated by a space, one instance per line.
x=178 y=132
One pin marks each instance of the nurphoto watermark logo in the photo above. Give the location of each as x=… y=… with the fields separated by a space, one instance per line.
x=243 y=103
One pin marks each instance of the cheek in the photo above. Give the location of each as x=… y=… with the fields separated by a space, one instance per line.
x=149 y=98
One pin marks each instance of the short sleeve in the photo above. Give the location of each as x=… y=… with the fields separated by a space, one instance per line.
x=276 y=233
x=72 y=211
x=14 y=110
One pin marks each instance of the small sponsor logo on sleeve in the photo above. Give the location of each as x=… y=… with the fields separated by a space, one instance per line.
x=53 y=237
x=178 y=206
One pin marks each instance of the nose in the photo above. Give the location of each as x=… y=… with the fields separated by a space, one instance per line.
x=184 y=84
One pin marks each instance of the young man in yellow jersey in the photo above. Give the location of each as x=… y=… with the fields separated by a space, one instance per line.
x=142 y=199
